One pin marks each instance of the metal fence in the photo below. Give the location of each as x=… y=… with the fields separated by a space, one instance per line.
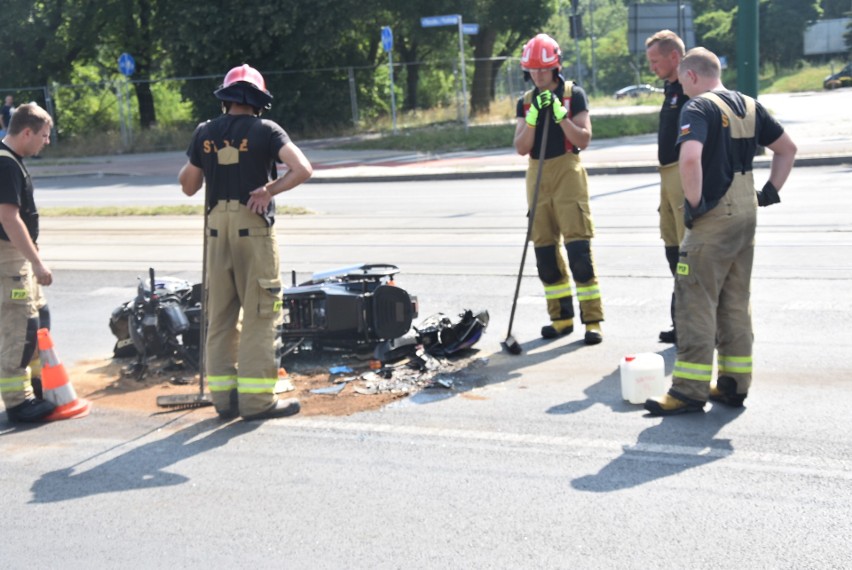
x=365 y=93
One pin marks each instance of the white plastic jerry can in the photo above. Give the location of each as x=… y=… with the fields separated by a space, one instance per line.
x=642 y=377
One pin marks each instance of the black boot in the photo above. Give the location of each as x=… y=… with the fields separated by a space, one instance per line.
x=558 y=328
x=724 y=391
x=31 y=410
x=669 y=405
x=233 y=409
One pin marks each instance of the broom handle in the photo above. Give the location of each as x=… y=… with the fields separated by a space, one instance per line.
x=202 y=334
x=541 y=151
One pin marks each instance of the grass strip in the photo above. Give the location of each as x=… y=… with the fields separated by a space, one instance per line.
x=451 y=138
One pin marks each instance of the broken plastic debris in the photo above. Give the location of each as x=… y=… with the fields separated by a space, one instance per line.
x=340 y=370
x=331 y=390
x=439 y=382
x=284 y=385
x=370 y=376
x=344 y=379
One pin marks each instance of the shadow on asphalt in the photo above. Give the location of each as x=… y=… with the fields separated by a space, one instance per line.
x=664 y=449
x=501 y=367
x=676 y=444
x=141 y=467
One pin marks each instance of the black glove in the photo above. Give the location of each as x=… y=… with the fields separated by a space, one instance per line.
x=768 y=196
x=691 y=214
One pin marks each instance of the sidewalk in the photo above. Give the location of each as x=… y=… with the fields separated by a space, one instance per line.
x=821 y=141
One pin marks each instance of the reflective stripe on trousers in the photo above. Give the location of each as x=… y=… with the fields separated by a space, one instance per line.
x=712 y=293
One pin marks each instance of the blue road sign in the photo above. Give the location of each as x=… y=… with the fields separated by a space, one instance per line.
x=387 y=38
x=435 y=21
x=126 y=64
x=470 y=29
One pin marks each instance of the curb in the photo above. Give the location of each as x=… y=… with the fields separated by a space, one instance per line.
x=591 y=169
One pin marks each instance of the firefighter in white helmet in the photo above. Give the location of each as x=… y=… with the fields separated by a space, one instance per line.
x=236 y=155
x=562 y=214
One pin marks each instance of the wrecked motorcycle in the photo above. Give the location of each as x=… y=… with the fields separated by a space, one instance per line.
x=163 y=320
x=351 y=308
x=356 y=308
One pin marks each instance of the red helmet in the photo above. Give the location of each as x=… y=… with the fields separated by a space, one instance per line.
x=541 y=52
x=245 y=73
x=245 y=85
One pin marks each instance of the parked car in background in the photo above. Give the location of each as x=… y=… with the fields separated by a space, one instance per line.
x=842 y=78
x=636 y=91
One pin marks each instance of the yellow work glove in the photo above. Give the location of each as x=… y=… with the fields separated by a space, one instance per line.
x=559 y=110
x=539 y=103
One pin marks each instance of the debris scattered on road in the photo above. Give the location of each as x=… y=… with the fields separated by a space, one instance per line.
x=333 y=390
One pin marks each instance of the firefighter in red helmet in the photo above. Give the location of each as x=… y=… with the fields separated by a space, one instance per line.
x=562 y=213
x=236 y=156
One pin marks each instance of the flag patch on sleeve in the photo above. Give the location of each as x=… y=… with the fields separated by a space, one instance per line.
x=684 y=130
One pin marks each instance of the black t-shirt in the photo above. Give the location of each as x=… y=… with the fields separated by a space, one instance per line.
x=675 y=99
x=701 y=120
x=557 y=142
x=6 y=111
x=238 y=154
x=16 y=188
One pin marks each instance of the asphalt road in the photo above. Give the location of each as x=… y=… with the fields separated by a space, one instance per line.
x=532 y=461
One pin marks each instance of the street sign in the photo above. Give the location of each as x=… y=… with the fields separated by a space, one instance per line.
x=126 y=64
x=387 y=44
x=470 y=29
x=435 y=21
x=387 y=38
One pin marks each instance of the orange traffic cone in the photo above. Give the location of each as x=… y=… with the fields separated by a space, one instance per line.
x=55 y=386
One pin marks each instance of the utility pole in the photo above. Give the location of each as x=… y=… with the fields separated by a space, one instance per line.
x=748 y=58
x=592 y=36
x=575 y=26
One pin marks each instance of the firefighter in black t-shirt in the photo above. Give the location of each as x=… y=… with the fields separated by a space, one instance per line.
x=236 y=156
x=664 y=51
x=719 y=134
x=562 y=212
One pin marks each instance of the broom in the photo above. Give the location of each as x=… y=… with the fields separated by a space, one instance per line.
x=511 y=345
x=187 y=401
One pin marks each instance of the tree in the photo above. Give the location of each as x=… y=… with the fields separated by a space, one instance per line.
x=835 y=8
x=504 y=27
x=42 y=40
x=782 y=28
x=416 y=45
x=715 y=31
x=134 y=32
x=285 y=41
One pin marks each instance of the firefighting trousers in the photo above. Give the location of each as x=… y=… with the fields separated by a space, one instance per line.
x=20 y=299
x=244 y=304
x=712 y=294
x=563 y=215
x=672 y=228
